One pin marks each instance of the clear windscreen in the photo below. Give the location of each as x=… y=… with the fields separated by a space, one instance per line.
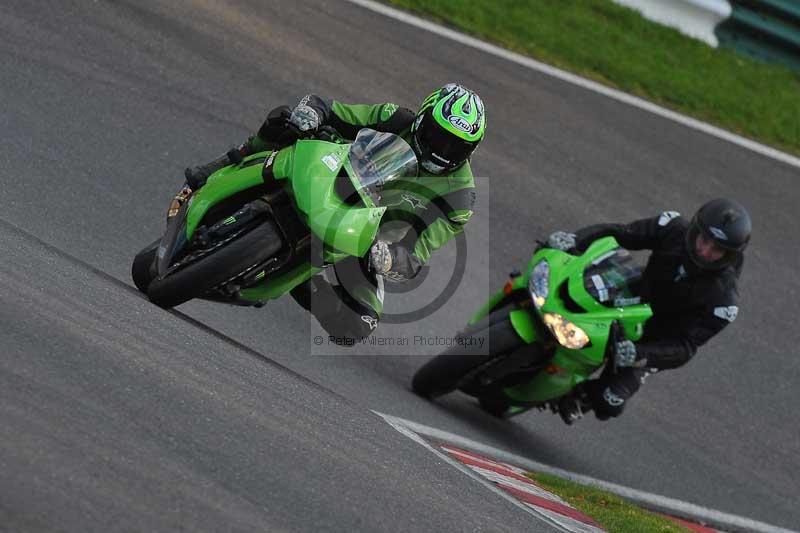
x=377 y=158
x=614 y=279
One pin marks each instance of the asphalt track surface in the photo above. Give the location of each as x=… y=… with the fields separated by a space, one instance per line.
x=117 y=415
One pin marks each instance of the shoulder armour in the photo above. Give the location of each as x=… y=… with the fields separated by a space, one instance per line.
x=667 y=217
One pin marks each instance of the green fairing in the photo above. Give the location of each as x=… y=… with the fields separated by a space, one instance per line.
x=524 y=325
x=343 y=227
x=221 y=185
x=309 y=169
x=567 y=367
x=346 y=229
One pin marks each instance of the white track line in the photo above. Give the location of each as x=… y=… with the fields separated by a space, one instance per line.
x=527 y=62
x=400 y=425
x=718 y=519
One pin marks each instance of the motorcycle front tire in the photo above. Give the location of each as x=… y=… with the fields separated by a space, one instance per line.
x=230 y=260
x=446 y=372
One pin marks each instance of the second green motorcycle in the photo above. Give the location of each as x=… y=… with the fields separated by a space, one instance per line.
x=546 y=332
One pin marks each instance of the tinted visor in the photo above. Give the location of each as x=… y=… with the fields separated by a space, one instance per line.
x=440 y=146
x=695 y=230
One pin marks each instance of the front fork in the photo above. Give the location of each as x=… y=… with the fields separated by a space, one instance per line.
x=555 y=379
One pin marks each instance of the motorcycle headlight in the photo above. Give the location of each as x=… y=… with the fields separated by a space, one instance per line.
x=566 y=333
x=539 y=283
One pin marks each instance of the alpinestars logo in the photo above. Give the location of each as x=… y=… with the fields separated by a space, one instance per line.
x=414 y=201
x=611 y=398
x=462 y=218
x=387 y=111
x=373 y=322
x=728 y=313
x=666 y=217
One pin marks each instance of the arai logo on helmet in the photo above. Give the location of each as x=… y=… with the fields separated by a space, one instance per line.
x=460 y=124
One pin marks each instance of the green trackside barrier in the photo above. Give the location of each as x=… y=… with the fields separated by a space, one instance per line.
x=767 y=30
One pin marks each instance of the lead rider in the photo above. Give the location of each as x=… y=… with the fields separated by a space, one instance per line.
x=431 y=209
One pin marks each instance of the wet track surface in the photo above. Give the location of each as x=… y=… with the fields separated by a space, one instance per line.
x=117 y=413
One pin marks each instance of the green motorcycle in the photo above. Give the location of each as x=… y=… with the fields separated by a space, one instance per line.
x=547 y=331
x=261 y=227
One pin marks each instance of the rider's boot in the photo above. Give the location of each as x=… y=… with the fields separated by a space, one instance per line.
x=574 y=405
x=272 y=135
x=196 y=177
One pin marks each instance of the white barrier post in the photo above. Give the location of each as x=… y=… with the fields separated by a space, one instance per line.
x=695 y=18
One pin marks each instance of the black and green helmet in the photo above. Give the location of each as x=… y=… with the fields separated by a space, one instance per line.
x=448 y=127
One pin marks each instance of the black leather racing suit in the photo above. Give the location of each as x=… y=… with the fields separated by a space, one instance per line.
x=689 y=305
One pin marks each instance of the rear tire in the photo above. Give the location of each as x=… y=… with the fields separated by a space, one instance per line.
x=444 y=373
x=235 y=257
x=143 y=270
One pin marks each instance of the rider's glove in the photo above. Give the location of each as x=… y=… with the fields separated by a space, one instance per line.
x=304 y=119
x=626 y=355
x=380 y=258
x=393 y=262
x=561 y=240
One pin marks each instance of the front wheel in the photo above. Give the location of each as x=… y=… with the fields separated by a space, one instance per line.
x=143 y=269
x=492 y=337
x=226 y=263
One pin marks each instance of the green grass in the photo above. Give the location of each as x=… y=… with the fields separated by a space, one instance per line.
x=613 y=513
x=617 y=47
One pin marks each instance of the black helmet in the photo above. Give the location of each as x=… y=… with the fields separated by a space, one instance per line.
x=448 y=127
x=724 y=222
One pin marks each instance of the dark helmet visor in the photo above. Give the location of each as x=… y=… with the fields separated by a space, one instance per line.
x=440 y=146
x=730 y=257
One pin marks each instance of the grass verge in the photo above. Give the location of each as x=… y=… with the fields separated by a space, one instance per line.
x=612 y=512
x=616 y=46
